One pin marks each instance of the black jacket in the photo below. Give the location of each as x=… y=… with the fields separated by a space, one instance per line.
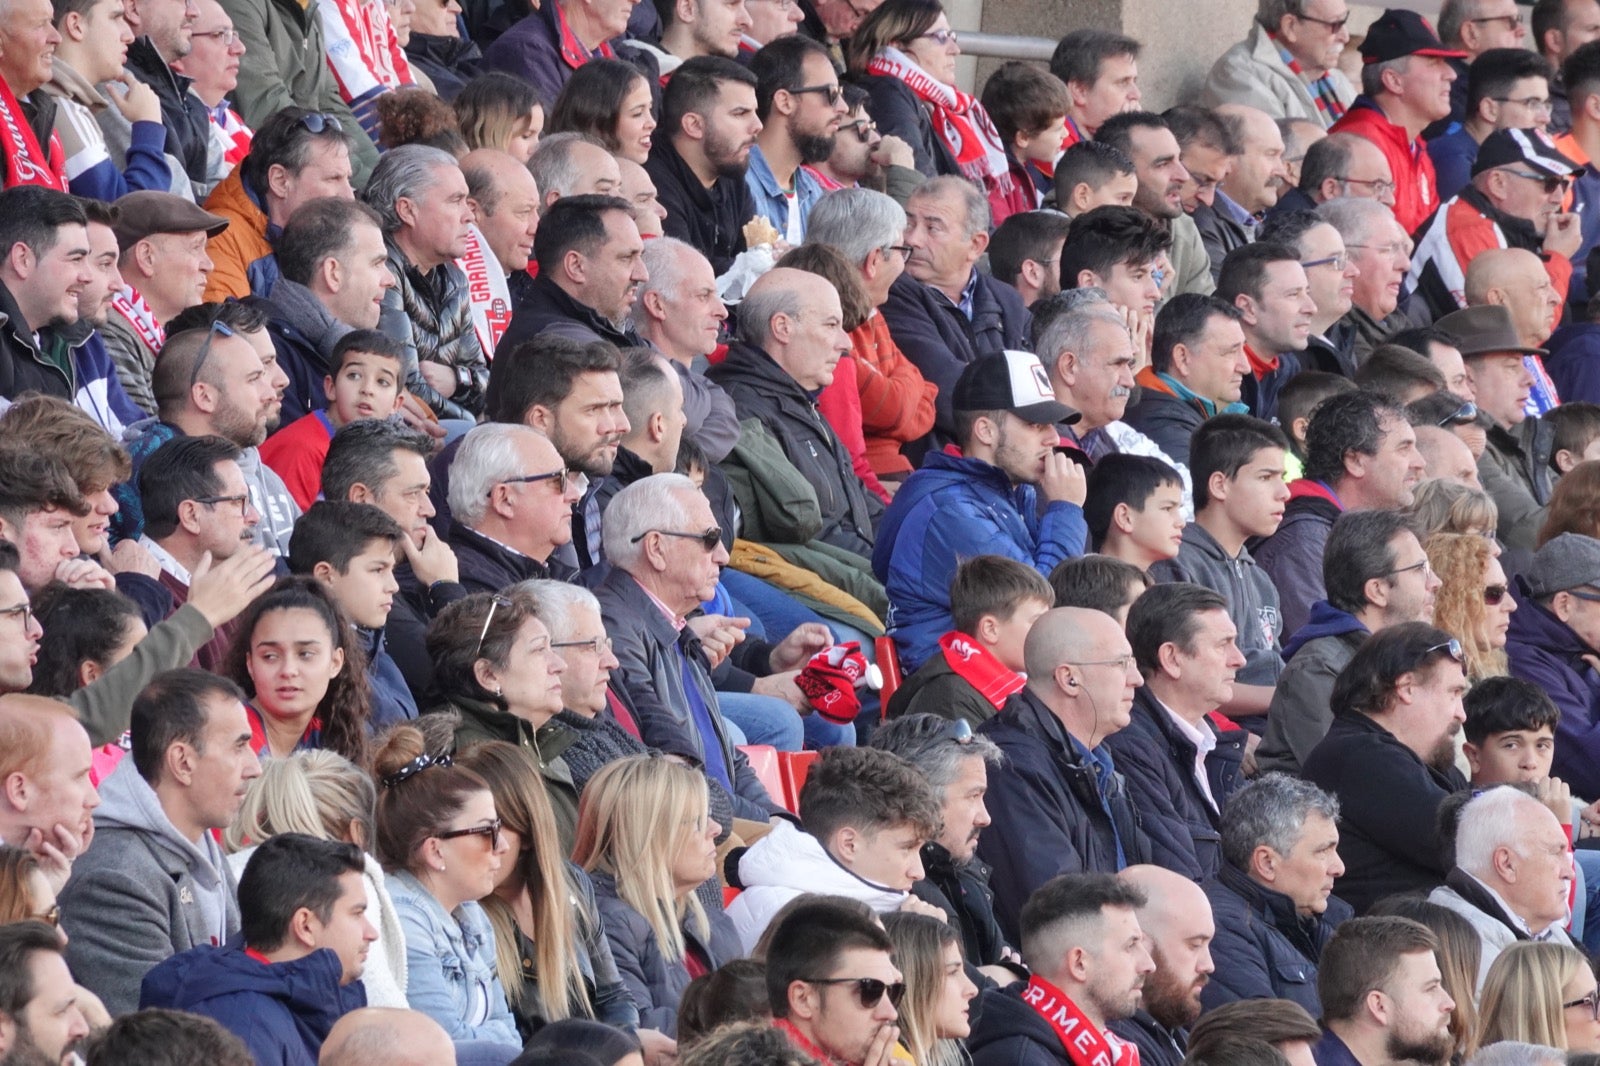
x=188 y=127
x=414 y=609
x=1389 y=808
x=545 y=748
x=962 y=891
x=489 y=567
x=1263 y=948
x=23 y=368
x=1292 y=556
x=710 y=219
x=762 y=390
x=934 y=688
x=1219 y=233
x=1050 y=814
x=1167 y=419
x=1008 y=1032
x=896 y=110
x=449 y=62
x=1158 y=1045
x=545 y=308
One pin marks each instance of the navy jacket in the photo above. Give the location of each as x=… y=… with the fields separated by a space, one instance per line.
x=1292 y=556
x=392 y=701
x=1574 y=361
x=962 y=891
x=406 y=633
x=1051 y=814
x=188 y=126
x=1008 y=1032
x=1263 y=948
x=1545 y=650
x=281 y=1011
x=489 y=567
x=1168 y=419
x=1158 y=1045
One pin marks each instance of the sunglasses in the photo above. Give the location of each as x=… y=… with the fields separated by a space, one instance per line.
x=958 y=730
x=218 y=328
x=708 y=540
x=1451 y=647
x=834 y=93
x=1467 y=412
x=862 y=128
x=869 y=990
x=317 y=122
x=1551 y=184
x=491 y=832
x=1494 y=594
x=566 y=474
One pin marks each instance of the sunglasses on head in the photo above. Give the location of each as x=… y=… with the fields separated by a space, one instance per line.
x=1467 y=412
x=869 y=990
x=1451 y=647
x=217 y=328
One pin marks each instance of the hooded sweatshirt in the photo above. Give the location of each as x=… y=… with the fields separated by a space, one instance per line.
x=1252 y=601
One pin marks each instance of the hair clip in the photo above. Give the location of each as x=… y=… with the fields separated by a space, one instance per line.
x=414 y=767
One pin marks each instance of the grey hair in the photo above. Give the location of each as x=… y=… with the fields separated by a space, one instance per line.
x=663 y=258
x=1070 y=330
x=755 y=313
x=1372 y=74
x=928 y=746
x=1270 y=12
x=1355 y=217
x=1271 y=810
x=857 y=222
x=973 y=200
x=404 y=172
x=1453 y=15
x=486 y=458
x=553 y=603
x=1488 y=822
x=552 y=164
x=654 y=502
x=1516 y=1053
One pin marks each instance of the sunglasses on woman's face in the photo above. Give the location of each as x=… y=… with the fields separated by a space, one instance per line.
x=491 y=832
x=1493 y=594
x=869 y=990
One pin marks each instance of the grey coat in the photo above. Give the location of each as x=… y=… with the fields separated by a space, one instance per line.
x=1301 y=712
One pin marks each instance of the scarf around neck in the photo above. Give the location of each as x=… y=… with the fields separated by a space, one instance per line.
x=131 y=306
x=1326 y=96
x=1084 y=1044
x=977 y=666
x=27 y=162
x=959 y=120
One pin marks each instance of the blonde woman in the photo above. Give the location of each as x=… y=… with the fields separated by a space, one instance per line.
x=934 y=1015
x=323 y=794
x=1540 y=994
x=1474 y=602
x=1440 y=506
x=503 y=111
x=645 y=837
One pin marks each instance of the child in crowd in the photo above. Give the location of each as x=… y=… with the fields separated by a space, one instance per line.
x=1299 y=398
x=1134 y=509
x=1099 y=583
x=1577 y=437
x=1029 y=109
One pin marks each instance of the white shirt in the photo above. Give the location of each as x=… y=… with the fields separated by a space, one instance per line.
x=1205 y=742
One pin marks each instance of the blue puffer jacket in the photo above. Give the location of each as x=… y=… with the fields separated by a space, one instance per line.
x=1546 y=651
x=282 y=1011
x=952 y=509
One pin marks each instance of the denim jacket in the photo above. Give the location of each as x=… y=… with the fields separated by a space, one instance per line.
x=450 y=971
x=769 y=196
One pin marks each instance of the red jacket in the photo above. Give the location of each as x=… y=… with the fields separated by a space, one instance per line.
x=897 y=402
x=1416 y=187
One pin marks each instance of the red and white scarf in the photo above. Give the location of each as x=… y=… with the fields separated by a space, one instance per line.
x=959 y=120
x=977 y=666
x=230 y=134
x=1085 y=1045
x=363 y=52
x=488 y=295
x=131 y=306
x=26 y=162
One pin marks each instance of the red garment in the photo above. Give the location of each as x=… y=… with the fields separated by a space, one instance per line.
x=897 y=402
x=209 y=655
x=1084 y=1044
x=297 y=452
x=799 y=1040
x=27 y=161
x=977 y=666
x=1258 y=366
x=840 y=404
x=1416 y=192
x=1459 y=234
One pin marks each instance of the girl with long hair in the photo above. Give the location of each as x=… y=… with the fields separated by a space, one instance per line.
x=609 y=100
x=499 y=110
x=1540 y=993
x=934 y=1015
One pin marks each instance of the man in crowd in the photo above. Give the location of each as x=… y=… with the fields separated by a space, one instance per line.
x=39 y=508
x=1408 y=1018
x=1475 y=27
x=573 y=164
x=387 y=1036
x=588 y=250
x=1268 y=285
x=511 y=499
x=1273 y=898
x=44 y=238
x=701 y=28
x=1340 y=164
x=1380 y=250
x=41 y=1008
x=1092 y=174
x=1197 y=370
x=1118 y=250
x=1331 y=276
x=1088 y=355
x=1288 y=64
x=1507 y=89
x=1176 y=922
x=1249 y=186
x=1025 y=249
x=163 y=32
x=1560 y=28
x=48 y=801
x=1151 y=145
x=1101 y=72
x=800 y=106
x=505 y=202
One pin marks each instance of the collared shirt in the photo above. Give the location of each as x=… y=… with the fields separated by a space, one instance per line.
x=1204 y=741
x=678 y=622
x=1229 y=209
x=1547 y=933
x=786 y=209
x=501 y=544
x=1099 y=760
x=169 y=562
x=968 y=295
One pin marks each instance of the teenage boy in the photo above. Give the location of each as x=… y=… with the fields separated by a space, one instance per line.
x=1029 y=109
x=367 y=378
x=1117 y=249
x=1099 y=583
x=1299 y=398
x=350 y=548
x=1134 y=509
x=1239 y=492
x=1577 y=436
x=994 y=601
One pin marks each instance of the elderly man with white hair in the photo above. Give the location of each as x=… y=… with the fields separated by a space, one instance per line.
x=1512 y=875
x=666 y=553
x=1380 y=249
x=511 y=501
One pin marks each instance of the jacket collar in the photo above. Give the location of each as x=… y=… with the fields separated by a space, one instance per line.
x=142 y=56
x=1481 y=897
x=746 y=360
x=12 y=322
x=682 y=173
x=641 y=605
x=561 y=302
x=67 y=83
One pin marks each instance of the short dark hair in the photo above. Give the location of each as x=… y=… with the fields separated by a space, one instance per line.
x=1277 y=1021
x=1079 y=55
x=10 y=557
x=541 y=371
x=288 y=872
x=809 y=941
x=1182 y=320
x=1122 y=478
x=285 y=139
x=1502 y=704
x=20 y=941
x=366 y=342
x=1418 y=338
x=335 y=532
x=734 y=992
x=1395 y=371
x=1493 y=73
x=319 y=230
x=1301 y=394
x=1021 y=98
x=1117 y=132
x=84 y=625
x=362 y=452
x=1097 y=583
x=993 y=585
x=1358 y=550
x=35 y=482
x=184 y=468
x=1580 y=72
x=1361 y=956
x=1289 y=227
x=1101 y=239
x=1366 y=684
x=1577 y=425
x=1244 y=270
x=780 y=64
x=1225 y=445
x=1071 y=899
x=869 y=790
x=577 y=1037
x=156 y=1036
x=1239 y=1051
x=1350 y=422
x=1091 y=163
x=1198 y=125
x=694 y=87
x=33 y=215
x=1168 y=613
x=573 y=223
x=170 y=709
x=237 y=315
x=1025 y=235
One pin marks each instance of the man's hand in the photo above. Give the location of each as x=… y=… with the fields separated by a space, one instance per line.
x=795 y=650
x=1000 y=975
x=137 y=102
x=659 y=1048
x=1554 y=794
x=84 y=574
x=1064 y=480
x=433 y=561
x=718 y=635
x=441 y=377
x=782 y=687
x=1247 y=765
x=223 y=591
x=881 y=1051
x=892 y=151
x=56 y=852
x=130 y=557
x=415 y=414
x=915 y=905
x=1562 y=234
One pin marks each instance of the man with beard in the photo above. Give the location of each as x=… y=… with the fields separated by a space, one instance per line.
x=1269 y=287
x=1409 y=1020
x=1082 y=941
x=1389 y=760
x=864 y=156
x=45 y=243
x=708 y=116
x=1177 y=926
x=801 y=105
x=1331 y=276
x=1153 y=147
x=41 y=1023
x=699 y=28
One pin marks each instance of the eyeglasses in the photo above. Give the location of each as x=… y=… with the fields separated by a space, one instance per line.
x=488 y=619
x=1538 y=104
x=905 y=250
x=218 y=328
x=834 y=93
x=942 y=38
x=415 y=767
x=49 y=917
x=1423 y=566
x=1333 y=25
x=1552 y=185
x=1494 y=594
x=23 y=611
x=317 y=122
x=869 y=990
x=243 y=500
x=1451 y=647
x=223 y=37
x=1591 y=1001
x=1338 y=262
x=490 y=831
x=708 y=540
x=1511 y=21
x=1380 y=187
x=566 y=474
x=1467 y=412
x=862 y=128
x=1121 y=662
x=1392 y=250
x=598 y=645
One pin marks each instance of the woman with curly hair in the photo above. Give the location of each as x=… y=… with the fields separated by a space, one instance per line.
x=416 y=116
x=1575 y=504
x=1474 y=602
x=301 y=665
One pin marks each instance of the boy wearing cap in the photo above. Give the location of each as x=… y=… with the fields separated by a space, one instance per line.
x=1405 y=86
x=980 y=499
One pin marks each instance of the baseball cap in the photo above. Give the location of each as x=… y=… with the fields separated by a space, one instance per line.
x=1531 y=147
x=1569 y=561
x=140 y=214
x=1011 y=381
x=1485 y=330
x=1398 y=33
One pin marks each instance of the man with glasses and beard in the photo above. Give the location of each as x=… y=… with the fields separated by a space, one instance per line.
x=1389 y=759
x=863 y=156
x=1176 y=919
x=41 y=1023
x=801 y=105
x=1395 y=957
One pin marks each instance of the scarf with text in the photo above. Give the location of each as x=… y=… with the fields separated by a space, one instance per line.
x=977 y=666
x=1084 y=1044
x=1322 y=90
x=488 y=295
x=959 y=121
x=131 y=306
x=26 y=162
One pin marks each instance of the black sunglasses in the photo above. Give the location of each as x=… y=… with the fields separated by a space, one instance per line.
x=491 y=831
x=218 y=328
x=833 y=92
x=317 y=122
x=1494 y=594
x=869 y=990
x=1467 y=412
x=708 y=540
x=958 y=730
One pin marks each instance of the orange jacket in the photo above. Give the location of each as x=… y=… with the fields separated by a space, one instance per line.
x=897 y=402
x=242 y=243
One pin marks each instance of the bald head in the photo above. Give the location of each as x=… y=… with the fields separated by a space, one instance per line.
x=381 y=1036
x=1499 y=268
x=1178 y=929
x=489 y=170
x=794 y=316
x=1447 y=456
x=1069 y=635
x=1170 y=898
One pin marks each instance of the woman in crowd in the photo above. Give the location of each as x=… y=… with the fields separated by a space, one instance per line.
x=934 y=1015
x=25 y=892
x=904 y=55
x=1540 y=993
x=1441 y=506
x=91 y=630
x=437 y=49
x=1574 y=505
x=551 y=952
x=416 y=116
x=609 y=100
x=325 y=795
x=1474 y=602
x=646 y=839
x=603 y=1044
x=438 y=835
x=497 y=110
x=1460 y=950
x=301 y=665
